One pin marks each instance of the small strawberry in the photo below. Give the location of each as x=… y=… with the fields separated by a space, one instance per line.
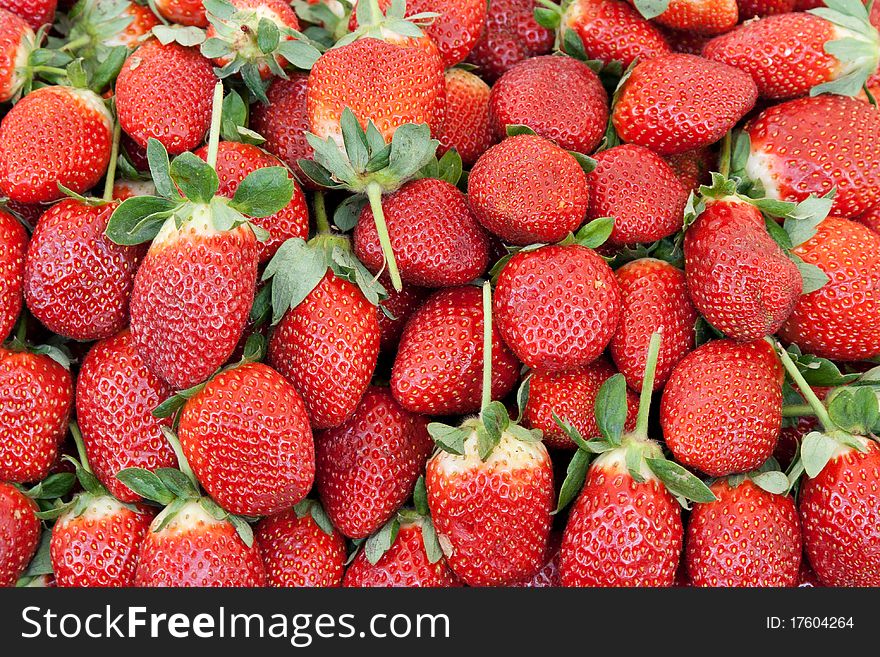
x=701 y=16
x=19 y=533
x=394 y=312
x=13 y=246
x=182 y=12
x=35 y=12
x=466 y=126
x=17 y=42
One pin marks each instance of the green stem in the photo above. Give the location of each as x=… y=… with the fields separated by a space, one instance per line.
x=647 y=386
x=724 y=157
x=216 y=115
x=111 y=168
x=49 y=69
x=798 y=410
x=320 y=207
x=374 y=194
x=814 y=402
x=76 y=43
x=487 y=345
x=80 y=447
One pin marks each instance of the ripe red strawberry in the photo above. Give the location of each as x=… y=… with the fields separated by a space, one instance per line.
x=511 y=35
x=298 y=553
x=36 y=394
x=17 y=41
x=436 y=240
x=97 y=545
x=164 y=92
x=95 y=25
x=702 y=16
x=754 y=8
x=722 y=407
x=404 y=564
x=747 y=537
x=571 y=396
x=195 y=549
x=437 y=367
x=693 y=167
x=466 y=126
x=737 y=275
x=367 y=468
x=548 y=576
x=557 y=307
x=191 y=298
x=183 y=12
x=841 y=320
x=13 y=246
x=400 y=306
x=654 y=299
x=763 y=49
x=76 y=281
x=115 y=398
x=645 y=208
x=527 y=189
x=53 y=135
x=19 y=533
x=35 y=12
x=235 y=161
x=684 y=41
x=811 y=145
x=247 y=438
x=679 y=102
x=560 y=98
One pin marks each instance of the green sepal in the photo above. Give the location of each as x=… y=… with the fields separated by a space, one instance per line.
x=449 y=439
x=139 y=219
x=575 y=475
x=380 y=542
x=146 y=484
x=651 y=8
x=263 y=192
x=611 y=408
x=679 y=481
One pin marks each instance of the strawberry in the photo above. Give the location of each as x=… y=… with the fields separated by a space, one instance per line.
x=466 y=126
x=17 y=41
x=182 y=12
x=679 y=102
x=747 y=537
x=36 y=394
x=53 y=135
x=684 y=41
x=548 y=576
x=299 y=550
x=811 y=145
x=871 y=219
x=654 y=299
x=570 y=396
x=394 y=313
x=35 y=12
x=93 y=26
x=722 y=407
x=701 y=16
x=19 y=533
x=367 y=467
x=557 y=307
x=763 y=49
x=247 y=438
x=755 y=8
x=644 y=209
x=527 y=189
x=693 y=167
x=115 y=398
x=164 y=92
x=76 y=281
x=739 y=278
x=560 y=98
x=822 y=322
x=13 y=246
x=435 y=238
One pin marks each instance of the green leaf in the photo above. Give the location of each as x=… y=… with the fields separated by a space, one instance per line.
x=575 y=475
x=586 y=163
x=420 y=496
x=380 y=542
x=778 y=234
x=819 y=371
x=495 y=419
x=573 y=45
x=53 y=486
x=176 y=482
x=547 y=18
x=525 y=435
x=300 y=54
x=220 y=8
x=450 y=167
x=855 y=410
x=355 y=140
x=146 y=484
x=679 y=481
x=516 y=129
x=224 y=217
x=772 y=482
x=411 y=149
x=243 y=529
x=449 y=439
x=431 y=541
x=595 y=233
x=234 y=115
x=348 y=212
x=171 y=405
x=268 y=36
x=817 y=449
x=522 y=396
x=196 y=178
x=611 y=408
x=108 y=69
x=139 y=219
x=319 y=515
x=812 y=276
x=160 y=170
x=651 y=8
x=346 y=266
x=802 y=222
x=185 y=36
x=295 y=270
x=41 y=563
x=634 y=463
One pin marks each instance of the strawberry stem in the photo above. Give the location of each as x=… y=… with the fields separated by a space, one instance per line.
x=797 y=410
x=374 y=194
x=814 y=402
x=111 y=168
x=724 y=157
x=216 y=115
x=487 y=345
x=76 y=43
x=647 y=386
x=320 y=208
x=80 y=447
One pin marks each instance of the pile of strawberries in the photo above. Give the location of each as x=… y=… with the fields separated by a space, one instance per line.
x=440 y=293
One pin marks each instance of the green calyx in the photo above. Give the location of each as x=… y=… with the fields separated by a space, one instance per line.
x=55 y=348
x=329 y=23
x=91 y=24
x=857 y=48
x=651 y=8
x=768 y=478
x=314 y=509
x=372 y=23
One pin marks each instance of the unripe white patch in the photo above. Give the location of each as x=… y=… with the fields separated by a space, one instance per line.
x=510 y=454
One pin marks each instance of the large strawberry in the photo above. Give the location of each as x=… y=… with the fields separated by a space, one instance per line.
x=19 y=533
x=13 y=246
x=17 y=42
x=466 y=126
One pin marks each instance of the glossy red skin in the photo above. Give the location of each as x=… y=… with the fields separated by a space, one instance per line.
x=367 y=468
x=405 y=564
x=871 y=219
x=14 y=36
x=248 y=440
x=572 y=397
x=165 y=92
x=191 y=300
x=19 y=533
x=752 y=8
x=115 y=397
x=685 y=41
x=738 y=277
x=183 y=12
x=840 y=512
x=693 y=167
x=98 y=552
x=548 y=576
x=36 y=13
x=439 y=362
x=560 y=98
x=52 y=136
x=298 y=553
x=235 y=161
x=528 y=190
x=400 y=305
x=277 y=11
x=810 y=145
x=466 y=126
x=676 y=103
x=388 y=83
x=13 y=247
x=613 y=30
x=557 y=307
x=701 y=16
x=621 y=533
x=842 y=319
x=784 y=54
x=327 y=348
x=436 y=240
x=77 y=282
x=36 y=394
x=510 y=36
x=722 y=407
x=647 y=207
x=654 y=298
x=747 y=537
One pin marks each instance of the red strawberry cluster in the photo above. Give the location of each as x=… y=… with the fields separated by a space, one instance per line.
x=439 y=293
